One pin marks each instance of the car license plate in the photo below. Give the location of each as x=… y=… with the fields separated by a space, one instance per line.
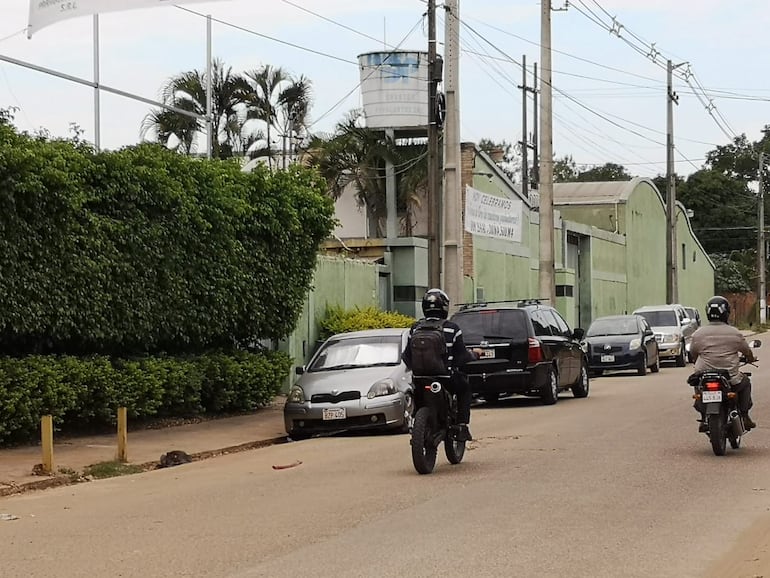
x=608 y=358
x=487 y=353
x=330 y=413
x=711 y=396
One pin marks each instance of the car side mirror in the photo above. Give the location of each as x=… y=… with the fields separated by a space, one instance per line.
x=755 y=343
x=299 y=370
x=578 y=333
x=649 y=332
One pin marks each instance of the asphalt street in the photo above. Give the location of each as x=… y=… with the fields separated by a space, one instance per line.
x=616 y=485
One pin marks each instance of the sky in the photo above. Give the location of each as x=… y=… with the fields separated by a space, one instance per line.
x=609 y=94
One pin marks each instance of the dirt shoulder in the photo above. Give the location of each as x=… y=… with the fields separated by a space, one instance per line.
x=750 y=555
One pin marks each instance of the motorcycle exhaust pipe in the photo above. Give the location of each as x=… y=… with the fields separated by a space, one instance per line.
x=736 y=423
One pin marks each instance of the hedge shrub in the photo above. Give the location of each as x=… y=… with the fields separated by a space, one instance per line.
x=86 y=392
x=145 y=251
x=338 y=320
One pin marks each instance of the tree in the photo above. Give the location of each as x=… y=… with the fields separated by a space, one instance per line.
x=564 y=170
x=356 y=156
x=510 y=161
x=187 y=91
x=722 y=206
x=277 y=99
x=606 y=172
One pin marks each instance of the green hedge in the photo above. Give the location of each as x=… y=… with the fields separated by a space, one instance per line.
x=339 y=320
x=86 y=392
x=145 y=251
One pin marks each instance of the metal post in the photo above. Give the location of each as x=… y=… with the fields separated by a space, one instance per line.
x=761 y=248
x=97 y=97
x=547 y=273
x=391 y=225
x=434 y=213
x=209 y=81
x=452 y=230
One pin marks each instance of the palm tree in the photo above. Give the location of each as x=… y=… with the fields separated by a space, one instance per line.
x=187 y=91
x=356 y=155
x=277 y=99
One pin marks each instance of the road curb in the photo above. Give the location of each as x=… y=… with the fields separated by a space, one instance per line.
x=68 y=480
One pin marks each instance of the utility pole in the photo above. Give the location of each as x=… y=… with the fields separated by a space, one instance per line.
x=452 y=269
x=547 y=273
x=672 y=289
x=525 y=142
x=434 y=195
x=761 y=257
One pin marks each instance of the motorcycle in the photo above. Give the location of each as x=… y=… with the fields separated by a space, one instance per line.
x=720 y=406
x=435 y=420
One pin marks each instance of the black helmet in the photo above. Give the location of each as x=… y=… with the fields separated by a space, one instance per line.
x=718 y=309
x=435 y=303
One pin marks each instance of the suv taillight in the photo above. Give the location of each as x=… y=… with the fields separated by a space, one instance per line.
x=535 y=353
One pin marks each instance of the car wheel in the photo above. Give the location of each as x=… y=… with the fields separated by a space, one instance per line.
x=549 y=394
x=655 y=367
x=680 y=360
x=406 y=427
x=492 y=398
x=580 y=388
x=642 y=370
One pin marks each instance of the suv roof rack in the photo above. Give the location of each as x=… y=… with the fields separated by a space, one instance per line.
x=518 y=302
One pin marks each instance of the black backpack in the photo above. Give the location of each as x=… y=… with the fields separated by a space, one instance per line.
x=429 y=353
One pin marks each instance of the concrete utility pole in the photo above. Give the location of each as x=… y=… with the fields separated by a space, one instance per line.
x=525 y=142
x=761 y=257
x=547 y=273
x=672 y=289
x=452 y=261
x=434 y=194
x=536 y=131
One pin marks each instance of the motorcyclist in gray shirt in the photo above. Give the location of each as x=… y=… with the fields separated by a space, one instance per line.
x=719 y=345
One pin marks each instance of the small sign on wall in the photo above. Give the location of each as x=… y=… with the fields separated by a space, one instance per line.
x=493 y=216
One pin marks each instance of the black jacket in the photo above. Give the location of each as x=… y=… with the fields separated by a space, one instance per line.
x=458 y=354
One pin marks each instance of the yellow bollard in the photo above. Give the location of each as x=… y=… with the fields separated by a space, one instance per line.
x=122 y=435
x=46 y=433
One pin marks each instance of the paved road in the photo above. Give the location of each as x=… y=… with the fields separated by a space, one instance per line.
x=616 y=485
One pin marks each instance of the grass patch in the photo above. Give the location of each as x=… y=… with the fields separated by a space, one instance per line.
x=111 y=470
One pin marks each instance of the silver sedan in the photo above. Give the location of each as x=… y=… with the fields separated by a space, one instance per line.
x=354 y=381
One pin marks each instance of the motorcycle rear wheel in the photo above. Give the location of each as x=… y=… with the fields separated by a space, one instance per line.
x=423 y=450
x=717 y=434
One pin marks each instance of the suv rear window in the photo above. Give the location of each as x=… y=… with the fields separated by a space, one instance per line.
x=488 y=324
x=660 y=318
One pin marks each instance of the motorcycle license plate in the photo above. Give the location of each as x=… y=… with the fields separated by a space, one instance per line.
x=487 y=353
x=608 y=358
x=711 y=396
x=330 y=413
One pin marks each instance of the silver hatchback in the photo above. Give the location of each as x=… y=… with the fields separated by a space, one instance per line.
x=354 y=381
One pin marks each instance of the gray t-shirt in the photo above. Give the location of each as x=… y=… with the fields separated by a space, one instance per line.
x=718 y=346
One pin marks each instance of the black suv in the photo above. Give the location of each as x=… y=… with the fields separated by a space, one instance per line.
x=528 y=349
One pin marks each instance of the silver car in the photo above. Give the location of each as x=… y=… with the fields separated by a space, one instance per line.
x=354 y=381
x=673 y=330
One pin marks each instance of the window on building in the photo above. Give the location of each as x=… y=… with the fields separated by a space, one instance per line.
x=684 y=256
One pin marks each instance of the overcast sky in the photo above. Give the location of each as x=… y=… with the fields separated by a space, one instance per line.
x=609 y=101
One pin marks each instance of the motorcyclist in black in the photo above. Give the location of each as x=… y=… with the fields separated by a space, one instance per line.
x=435 y=305
x=719 y=345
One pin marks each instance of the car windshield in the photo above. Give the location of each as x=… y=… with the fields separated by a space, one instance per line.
x=660 y=318
x=492 y=324
x=619 y=326
x=358 y=352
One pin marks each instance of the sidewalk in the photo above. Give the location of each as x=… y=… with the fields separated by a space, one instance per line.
x=200 y=440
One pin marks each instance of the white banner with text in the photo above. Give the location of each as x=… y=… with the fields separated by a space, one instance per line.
x=43 y=13
x=493 y=216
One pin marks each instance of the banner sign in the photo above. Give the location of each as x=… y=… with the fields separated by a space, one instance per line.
x=42 y=13
x=493 y=216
